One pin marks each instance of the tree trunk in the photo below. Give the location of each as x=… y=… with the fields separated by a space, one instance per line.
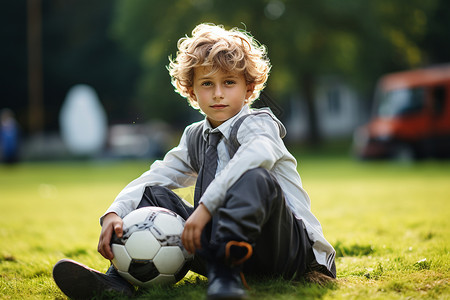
x=308 y=84
x=35 y=93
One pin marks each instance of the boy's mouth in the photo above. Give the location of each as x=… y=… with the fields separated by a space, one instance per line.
x=218 y=106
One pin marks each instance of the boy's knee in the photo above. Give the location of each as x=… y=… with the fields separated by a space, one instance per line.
x=156 y=189
x=256 y=185
x=152 y=196
x=259 y=178
x=255 y=174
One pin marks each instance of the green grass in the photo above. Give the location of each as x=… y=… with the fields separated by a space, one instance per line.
x=390 y=225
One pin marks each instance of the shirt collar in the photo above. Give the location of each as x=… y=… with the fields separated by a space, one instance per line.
x=225 y=127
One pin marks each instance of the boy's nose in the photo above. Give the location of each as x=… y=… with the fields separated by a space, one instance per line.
x=218 y=93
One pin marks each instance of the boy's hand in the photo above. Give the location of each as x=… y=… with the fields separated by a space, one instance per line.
x=111 y=223
x=194 y=227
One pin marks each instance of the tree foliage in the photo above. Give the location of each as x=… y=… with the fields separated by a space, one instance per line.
x=76 y=48
x=357 y=40
x=84 y=42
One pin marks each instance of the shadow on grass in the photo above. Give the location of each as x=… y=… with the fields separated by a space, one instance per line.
x=195 y=288
x=278 y=288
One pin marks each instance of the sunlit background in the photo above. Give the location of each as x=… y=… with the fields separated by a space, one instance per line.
x=88 y=78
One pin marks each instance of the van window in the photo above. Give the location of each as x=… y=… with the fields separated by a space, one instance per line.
x=401 y=102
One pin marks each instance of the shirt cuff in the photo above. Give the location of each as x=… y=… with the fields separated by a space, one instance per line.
x=113 y=209
x=211 y=203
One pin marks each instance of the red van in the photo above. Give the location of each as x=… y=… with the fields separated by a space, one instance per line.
x=411 y=117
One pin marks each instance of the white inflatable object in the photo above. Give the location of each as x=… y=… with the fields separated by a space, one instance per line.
x=83 y=121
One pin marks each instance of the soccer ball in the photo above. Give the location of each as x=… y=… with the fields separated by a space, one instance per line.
x=150 y=251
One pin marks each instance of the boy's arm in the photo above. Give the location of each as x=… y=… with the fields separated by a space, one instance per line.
x=261 y=146
x=174 y=171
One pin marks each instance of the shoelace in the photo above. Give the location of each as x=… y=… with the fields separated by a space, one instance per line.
x=239 y=261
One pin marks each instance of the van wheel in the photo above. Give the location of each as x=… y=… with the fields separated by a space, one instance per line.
x=403 y=153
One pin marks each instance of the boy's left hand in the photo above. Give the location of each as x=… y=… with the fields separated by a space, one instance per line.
x=193 y=228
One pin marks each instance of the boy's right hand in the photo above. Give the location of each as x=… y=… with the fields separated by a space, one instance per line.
x=111 y=223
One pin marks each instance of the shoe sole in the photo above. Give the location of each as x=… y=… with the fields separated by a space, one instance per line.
x=76 y=280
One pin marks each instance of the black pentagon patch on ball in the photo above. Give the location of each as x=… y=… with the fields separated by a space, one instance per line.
x=116 y=240
x=143 y=270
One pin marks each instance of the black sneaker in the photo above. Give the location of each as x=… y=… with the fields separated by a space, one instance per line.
x=80 y=282
x=225 y=277
x=224 y=282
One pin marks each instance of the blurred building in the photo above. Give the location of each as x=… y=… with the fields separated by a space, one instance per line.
x=340 y=109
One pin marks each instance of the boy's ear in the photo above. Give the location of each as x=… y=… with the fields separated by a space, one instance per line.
x=250 y=90
x=191 y=93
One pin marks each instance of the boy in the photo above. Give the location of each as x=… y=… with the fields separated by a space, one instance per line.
x=250 y=211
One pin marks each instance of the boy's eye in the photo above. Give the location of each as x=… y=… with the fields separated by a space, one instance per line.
x=207 y=83
x=229 y=82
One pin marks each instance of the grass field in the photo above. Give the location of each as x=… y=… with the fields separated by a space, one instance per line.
x=389 y=223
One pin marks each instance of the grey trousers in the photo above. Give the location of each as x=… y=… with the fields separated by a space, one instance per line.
x=254 y=211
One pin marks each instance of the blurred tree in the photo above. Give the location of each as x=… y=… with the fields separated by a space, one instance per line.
x=436 y=43
x=150 y=30
x=359 y=40
x=13 y=58
x=35 y=80
x=76 y=48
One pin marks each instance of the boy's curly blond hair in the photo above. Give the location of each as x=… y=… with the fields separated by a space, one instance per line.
x=214 y=47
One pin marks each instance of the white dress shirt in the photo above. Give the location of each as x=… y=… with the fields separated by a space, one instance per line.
x=260 y=137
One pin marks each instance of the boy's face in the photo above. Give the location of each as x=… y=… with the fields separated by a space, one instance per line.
x=221 y=95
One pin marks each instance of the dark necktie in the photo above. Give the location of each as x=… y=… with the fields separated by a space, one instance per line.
x=209 y=167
